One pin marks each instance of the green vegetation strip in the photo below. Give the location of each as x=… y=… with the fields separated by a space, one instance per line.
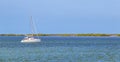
x=61 y=34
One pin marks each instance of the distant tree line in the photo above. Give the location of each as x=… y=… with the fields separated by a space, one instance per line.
x=91 y=34
x=11 y=35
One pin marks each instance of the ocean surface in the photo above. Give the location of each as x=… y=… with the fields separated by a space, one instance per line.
x=60 y=49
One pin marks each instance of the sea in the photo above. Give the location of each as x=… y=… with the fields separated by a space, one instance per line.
x=60 y=49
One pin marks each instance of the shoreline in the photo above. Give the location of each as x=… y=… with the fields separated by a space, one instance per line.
x=96 y=35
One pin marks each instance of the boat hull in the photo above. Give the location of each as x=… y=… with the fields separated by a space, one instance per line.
x=31 y=41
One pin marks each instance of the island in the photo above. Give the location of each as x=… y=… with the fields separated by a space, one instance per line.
x=89 y=34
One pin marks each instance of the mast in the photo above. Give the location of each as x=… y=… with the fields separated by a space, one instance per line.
x=34 y=31
x=32 y=26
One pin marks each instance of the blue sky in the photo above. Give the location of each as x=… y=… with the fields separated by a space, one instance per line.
x=60 y=16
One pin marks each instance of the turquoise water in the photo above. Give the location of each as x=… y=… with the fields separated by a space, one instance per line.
x=60 y=49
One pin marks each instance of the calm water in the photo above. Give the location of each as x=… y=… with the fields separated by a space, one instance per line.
x=61 y=49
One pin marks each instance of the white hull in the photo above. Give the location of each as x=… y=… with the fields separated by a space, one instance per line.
x=31 y=40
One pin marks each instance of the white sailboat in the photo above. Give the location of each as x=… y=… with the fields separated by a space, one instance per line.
x=29 y=39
